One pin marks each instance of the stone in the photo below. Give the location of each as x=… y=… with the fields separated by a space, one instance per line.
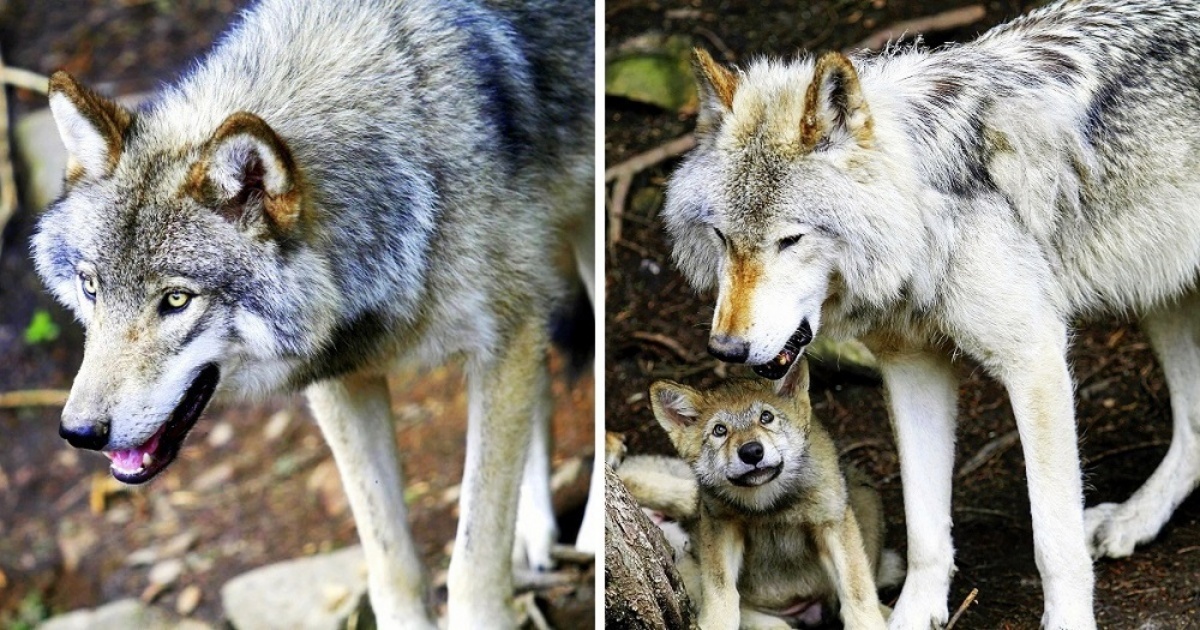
x=122 y=615
x=325 y=592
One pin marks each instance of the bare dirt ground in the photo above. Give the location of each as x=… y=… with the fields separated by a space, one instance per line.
x=1123 y=407
x=256 y=484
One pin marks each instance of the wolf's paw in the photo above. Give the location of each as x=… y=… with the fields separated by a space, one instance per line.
x=1113 y=531
x=1068 y=620
x=920 y=610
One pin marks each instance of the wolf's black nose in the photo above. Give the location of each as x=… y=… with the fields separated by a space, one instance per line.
x=751 y=452
x=90 y=436
x=729 y=349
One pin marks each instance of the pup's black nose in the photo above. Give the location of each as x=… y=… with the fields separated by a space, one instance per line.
x=751 y=452
x=729 y=349
x=90 y=436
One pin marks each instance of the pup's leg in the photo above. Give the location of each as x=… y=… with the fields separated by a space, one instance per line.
x=354 y=414
x=502 y=393
x=537 y=530
x=840 y=547
x=922 y=394
x=755 y=620
x=1114 y=529
x=1039 y=386
x=719 y=548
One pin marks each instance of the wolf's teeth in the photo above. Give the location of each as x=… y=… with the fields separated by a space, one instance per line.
x=147 y=459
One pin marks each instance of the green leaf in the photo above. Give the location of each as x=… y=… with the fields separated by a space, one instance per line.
x=41 y=328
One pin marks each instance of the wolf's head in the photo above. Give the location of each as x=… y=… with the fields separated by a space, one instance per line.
x=780 y=202
x=746 y=440
x=168 y=253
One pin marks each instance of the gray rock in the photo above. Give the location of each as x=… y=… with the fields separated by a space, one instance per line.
x=325 y=592
x=122 y=615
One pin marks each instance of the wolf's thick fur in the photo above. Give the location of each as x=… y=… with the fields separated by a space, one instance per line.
x=771 y=517
x=336 y=188
x=972 y=199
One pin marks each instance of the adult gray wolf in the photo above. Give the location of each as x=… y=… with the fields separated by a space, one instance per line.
x=974 y=199
x=335 y=189
x=775 y=528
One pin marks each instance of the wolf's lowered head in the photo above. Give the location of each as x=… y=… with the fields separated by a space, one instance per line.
x=746 y=440
x=170 y=254
x=786 y=185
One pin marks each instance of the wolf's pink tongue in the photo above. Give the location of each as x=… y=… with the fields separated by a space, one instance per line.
x=133 y=459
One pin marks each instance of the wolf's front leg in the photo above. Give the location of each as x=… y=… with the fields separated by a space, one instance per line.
x=720 y=550
x=502 y=393
x=1040 y=389
x=922 y=394
x=845 y=559
x=354 y=414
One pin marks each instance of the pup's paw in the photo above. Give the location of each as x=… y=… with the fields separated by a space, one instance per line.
x=1113 y=530
x=919 y=609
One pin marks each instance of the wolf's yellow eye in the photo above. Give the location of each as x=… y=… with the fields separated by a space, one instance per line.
x=720 y=430
x=767 y=417
x=89 y=285
x=176 y=300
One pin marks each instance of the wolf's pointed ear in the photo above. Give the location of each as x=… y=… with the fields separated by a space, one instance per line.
x=834 y=102
x=717 y=85
x=795 y=382
x=675 y=406
x=92 y=127
x=246 y=167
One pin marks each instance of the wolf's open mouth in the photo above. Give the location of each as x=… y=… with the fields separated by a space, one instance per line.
x=757 y=477
x=141 y=464
x=776 y=368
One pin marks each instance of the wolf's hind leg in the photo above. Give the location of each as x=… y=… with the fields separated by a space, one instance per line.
x=1114 y=529
x=591 y=531
x=502 y=390
x=354 y=414
x=537 y=530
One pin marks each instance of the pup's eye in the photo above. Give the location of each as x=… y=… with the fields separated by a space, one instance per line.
x=176 y=301
x=767 y=417
x=89 y=285
x=785 y=243
x=720 y=236
x=720 y=430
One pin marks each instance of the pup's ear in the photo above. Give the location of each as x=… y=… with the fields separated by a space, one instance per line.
x=92 y=127
x=244 y=169
x=676 y=407
x=795 y=383
x=717 y=85
x=834 y=103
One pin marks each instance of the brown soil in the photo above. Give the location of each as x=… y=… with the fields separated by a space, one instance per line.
x=243 y=495
x=1123 y=407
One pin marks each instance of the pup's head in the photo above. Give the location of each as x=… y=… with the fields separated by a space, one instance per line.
x=167 y=253
x=769 y=207
x=746 y=440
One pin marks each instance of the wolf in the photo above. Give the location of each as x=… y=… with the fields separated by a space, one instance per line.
x=774 y=526
x=976 y=200
x=336 y=189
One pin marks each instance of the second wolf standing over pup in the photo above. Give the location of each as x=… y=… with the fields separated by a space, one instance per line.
x=971 y=200
x=775 y=524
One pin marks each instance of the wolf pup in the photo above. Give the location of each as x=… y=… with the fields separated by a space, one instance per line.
x=774 y=526
x=973 y=199
x=338 y=188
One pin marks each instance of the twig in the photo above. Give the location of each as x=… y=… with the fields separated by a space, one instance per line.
x=529 y=605
x=962 y=608
x=8 y=179
x=664 y=341
x=33 y=398
x=643 y=161
x=571 y=555
x=1125 y=449
x=989 y=452
x=25 y=79
x=944 y=21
